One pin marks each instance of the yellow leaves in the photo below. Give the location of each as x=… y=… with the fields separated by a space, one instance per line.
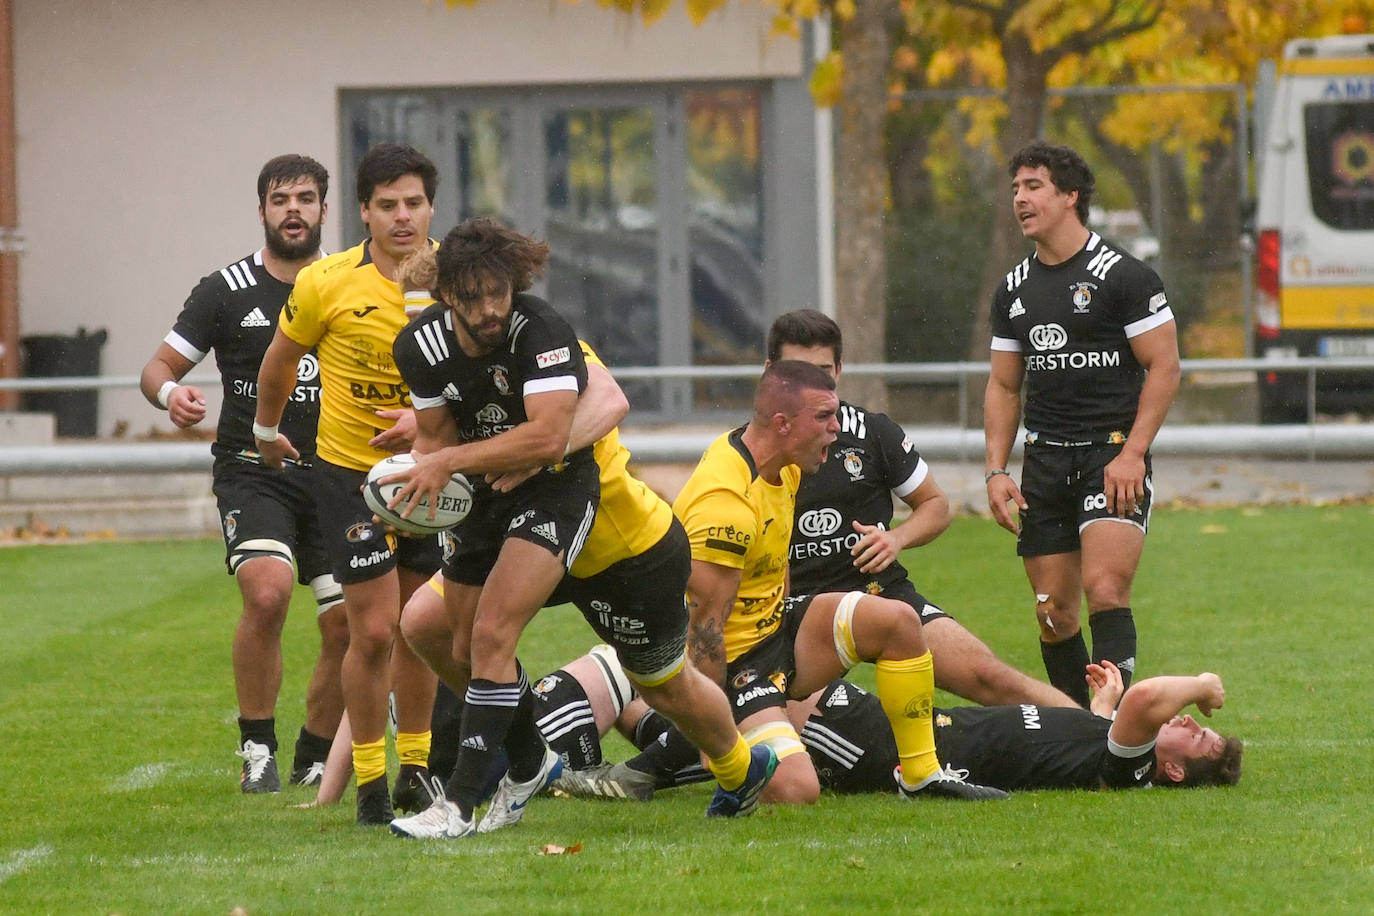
x=943 y=65
x=698 y=10
x=650 y=11
x=905 y=59
x=784 y=24
x=827 y=80
x=987 y=59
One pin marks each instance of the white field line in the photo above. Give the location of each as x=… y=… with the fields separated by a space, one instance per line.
x=22 y=859
x=141 y=777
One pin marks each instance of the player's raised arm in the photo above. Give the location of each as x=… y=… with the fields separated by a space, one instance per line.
x=1151 y=703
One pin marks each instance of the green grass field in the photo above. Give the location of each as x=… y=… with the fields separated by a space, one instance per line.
x=120 y=784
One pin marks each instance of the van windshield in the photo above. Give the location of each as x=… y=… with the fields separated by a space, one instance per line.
x=1340 y=162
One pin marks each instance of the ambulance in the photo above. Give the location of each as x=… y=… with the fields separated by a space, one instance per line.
x=1314 y=222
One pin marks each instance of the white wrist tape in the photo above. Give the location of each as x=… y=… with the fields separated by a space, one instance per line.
x=265 y=433
x=164 y=393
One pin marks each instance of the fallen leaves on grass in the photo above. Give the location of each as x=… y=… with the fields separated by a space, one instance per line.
x=553 y=849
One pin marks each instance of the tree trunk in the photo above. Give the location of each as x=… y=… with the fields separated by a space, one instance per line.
x=860 y=194
x=1027 y=76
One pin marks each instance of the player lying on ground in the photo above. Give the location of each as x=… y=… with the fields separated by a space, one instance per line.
x=1150 y=742
x=1010 y=747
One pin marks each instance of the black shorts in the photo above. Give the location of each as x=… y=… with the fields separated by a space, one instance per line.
x=758 y=679
x=850 y=741
x=564 y=717
x=553 y=510
x=639 y=606
x=1063 y=488
x=358 y=549
x=906 y=592
x=266 y=512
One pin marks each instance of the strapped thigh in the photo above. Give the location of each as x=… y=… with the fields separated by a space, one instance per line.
x=842 y=629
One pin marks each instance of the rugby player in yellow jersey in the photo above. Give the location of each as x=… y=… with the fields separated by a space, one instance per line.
x=737 y=508
x=349 y=307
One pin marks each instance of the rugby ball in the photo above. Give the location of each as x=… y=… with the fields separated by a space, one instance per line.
x=455 y=499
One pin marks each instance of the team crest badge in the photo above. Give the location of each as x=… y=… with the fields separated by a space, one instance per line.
x=854 y=465
x=1116 y=437
x=546 y=683
x=231 y=524
x=943 y=720
x=500 y=380
x=1082 y=297
x=744 y=677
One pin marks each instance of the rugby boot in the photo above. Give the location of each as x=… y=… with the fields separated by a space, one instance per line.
x=742 y=801
x=947 y=783
x=606 y=780
x=508 y=804
x=259 y=769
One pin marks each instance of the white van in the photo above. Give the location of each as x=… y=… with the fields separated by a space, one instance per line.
x=1315 y=223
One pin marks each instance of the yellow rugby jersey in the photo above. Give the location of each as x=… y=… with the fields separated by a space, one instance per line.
x=737 y=519
x=343 y=306
x=631 y=517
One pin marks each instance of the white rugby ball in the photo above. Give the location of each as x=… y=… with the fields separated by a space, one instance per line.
x=455 y=499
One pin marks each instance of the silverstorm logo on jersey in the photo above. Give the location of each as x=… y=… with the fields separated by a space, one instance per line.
x=1048 y=337
x=819 y=522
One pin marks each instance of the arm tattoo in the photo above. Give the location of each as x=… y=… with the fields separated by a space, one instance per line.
x=706 y=642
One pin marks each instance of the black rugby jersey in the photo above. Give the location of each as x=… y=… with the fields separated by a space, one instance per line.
x=486 y=394
x=870 y=461
x=1010 y=747
x=1072 y=323
x=234 y=312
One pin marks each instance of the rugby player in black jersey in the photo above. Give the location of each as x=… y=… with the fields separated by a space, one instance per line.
x=844 y=540
x=1087 y=331
x=495 y=374
x=268 y=518
x=1149 y=742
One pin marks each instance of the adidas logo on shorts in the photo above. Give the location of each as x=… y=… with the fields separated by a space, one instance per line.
x=547 y=531
x=475 y=742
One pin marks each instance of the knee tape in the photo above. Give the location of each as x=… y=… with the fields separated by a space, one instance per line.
x=622 y=692
x=328 y=593
x=259 y=547
x=780 y=736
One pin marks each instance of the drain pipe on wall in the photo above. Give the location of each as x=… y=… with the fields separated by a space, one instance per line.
x=11 y=242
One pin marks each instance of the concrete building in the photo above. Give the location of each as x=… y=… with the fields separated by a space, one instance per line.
x=673 y=167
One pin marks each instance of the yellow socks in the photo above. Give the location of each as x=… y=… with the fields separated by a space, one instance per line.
x=369 y=761
x=413 y=748
x=906 y=689
x=731 y=769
